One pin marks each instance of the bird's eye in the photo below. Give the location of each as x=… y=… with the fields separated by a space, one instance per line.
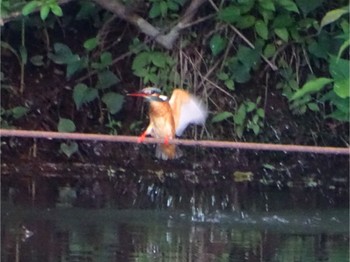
x=150 y=91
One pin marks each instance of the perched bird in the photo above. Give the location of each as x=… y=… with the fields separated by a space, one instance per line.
x=170 y=117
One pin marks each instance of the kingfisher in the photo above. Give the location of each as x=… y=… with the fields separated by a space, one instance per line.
x=170 y=117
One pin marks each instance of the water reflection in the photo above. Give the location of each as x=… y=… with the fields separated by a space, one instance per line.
x=133 y=218
x=77 y=234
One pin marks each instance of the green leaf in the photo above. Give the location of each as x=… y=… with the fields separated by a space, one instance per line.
x=221 y=116
x=343 y=47
x=339 y=115
x=87 y=10
x=56 y=9
x=69 y=149
x=284 y=20
x=222 y=76
x=74 y=67
x=261 y=112
x=19 y=111
x=239 y=131
x=289 y=5
x=282 y=33
x=175 y=78
x=342 y=113
x=106 y=79
x=322 y=46
x=142 y=72
x=245 y=6
x=163 y=8
x=261 y=29
x=258 y=100
x=62 y=49
x=311 y=86
x=313 y=107
x=44 y=12
x=83 y=94
x=269 y=50
x=155 y=10
x=246 y=22
x=333 y=15
x=240 y=115
x=256 y=129
x=230 y=84
x=308 y=6
x=339 y=69
x=91 y=43
x=158 y=59
x=342 y=106
x=106 y=59
x=239 y=72
x=90 y=95
x=63 y=54
x=345 y=26
x=229 y=14
x=296 y=104
x=65 y=125
x=267 y=15
x=250 y=106
x=30 y=7
x=173 y=5
x=242 y=74
x=248 y=56
x=113 y=101
x=217 y=44
x=170 y=61
x=141 y=60
x=267 y=5
x=306 y=23
x=341 y=87
x=153 y=78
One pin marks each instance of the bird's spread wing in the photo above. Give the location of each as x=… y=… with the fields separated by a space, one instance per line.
x=187 y=109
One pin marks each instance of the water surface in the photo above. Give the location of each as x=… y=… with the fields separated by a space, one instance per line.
x=31 y=233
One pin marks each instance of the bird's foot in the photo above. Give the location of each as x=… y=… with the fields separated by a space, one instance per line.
x=141 y=138
x=166 y=140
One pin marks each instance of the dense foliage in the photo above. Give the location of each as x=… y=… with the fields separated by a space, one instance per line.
x=244 y=57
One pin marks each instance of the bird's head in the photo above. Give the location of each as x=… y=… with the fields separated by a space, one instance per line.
x=150 y=94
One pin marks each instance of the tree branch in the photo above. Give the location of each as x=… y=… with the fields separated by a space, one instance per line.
x=116 y=7
x=167 y=41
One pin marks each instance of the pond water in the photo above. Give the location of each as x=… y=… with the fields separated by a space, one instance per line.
x=273 y=229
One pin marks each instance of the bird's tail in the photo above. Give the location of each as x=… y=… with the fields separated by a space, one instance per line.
x=168 y=151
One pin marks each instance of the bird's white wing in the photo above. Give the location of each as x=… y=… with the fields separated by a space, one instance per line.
x=191 y=111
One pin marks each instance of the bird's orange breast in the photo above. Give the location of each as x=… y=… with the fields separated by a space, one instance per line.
x=162 y=119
